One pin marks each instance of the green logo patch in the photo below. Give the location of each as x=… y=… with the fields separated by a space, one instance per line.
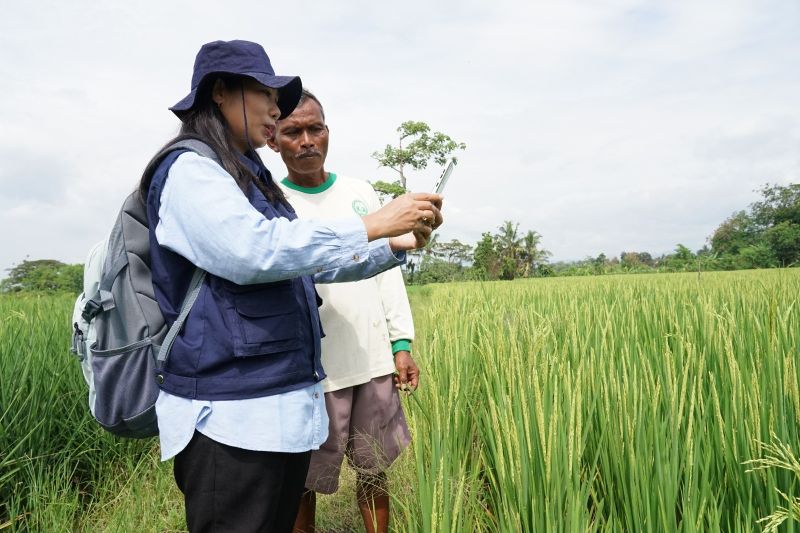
x=360 y=207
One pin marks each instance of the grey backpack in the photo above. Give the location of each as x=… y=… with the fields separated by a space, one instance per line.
x=119 y=334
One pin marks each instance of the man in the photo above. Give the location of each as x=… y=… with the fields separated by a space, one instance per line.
x=368 y=328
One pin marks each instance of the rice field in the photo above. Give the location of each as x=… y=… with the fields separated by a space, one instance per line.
x=618 y=403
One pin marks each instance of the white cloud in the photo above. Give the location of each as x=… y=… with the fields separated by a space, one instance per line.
x=604 y=126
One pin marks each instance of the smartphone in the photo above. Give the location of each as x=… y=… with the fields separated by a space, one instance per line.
x=444 y=177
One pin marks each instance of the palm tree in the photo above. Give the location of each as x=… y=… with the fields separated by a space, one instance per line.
x=532 y=255
x=508 y=246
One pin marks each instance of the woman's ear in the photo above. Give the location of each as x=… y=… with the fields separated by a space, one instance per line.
x=218 y=92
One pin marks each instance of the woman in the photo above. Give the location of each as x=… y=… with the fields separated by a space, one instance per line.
x=241 y=405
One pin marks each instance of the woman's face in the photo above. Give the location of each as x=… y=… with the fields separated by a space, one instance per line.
x=260 y=104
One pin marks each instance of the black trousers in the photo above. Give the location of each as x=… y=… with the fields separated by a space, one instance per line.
x=228 y=489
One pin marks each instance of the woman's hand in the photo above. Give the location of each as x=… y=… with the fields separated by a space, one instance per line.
x=412 y=213
x=410 y=241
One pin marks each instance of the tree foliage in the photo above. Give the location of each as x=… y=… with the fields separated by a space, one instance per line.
x=780 y=203
x=766 y=235
x=387 y=190
x=507 y=255
x=734 y=234
x=417 y=145
x=43 y=275
x=485 y=261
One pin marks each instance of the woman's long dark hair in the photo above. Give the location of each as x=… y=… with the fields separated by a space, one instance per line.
x=206 y=123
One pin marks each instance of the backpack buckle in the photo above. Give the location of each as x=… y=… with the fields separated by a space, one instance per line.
x=90 y=310
x=78 y=347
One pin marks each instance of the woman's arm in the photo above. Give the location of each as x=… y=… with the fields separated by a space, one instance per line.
x=205 y=218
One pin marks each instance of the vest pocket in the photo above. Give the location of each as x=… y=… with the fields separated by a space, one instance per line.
x=269 y=320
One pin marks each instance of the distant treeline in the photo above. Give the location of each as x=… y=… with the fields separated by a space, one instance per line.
x=765 y=235
x=43 y=275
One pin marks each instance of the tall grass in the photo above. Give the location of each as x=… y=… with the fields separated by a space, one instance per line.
x=56 y=464
x=625 y=403
x=606 y=404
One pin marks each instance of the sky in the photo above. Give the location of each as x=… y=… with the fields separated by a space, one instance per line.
x=605 y=126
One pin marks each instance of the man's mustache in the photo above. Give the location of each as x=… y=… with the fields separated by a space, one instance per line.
x=308 y=153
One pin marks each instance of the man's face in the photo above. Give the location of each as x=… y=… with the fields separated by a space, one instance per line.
x=302 y=139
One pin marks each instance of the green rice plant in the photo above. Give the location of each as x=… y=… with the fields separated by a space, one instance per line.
x=615 y=403
x=778 y=455
x=446 y=495
x=621 y=403
x=53 y=456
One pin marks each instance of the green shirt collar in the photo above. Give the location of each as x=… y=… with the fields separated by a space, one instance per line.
x=311 y=190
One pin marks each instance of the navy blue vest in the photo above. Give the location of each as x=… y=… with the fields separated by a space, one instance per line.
x=239 y=341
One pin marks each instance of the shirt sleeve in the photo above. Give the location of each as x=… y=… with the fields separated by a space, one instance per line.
x=396 y=307
x=381 y=258
x=205 y=218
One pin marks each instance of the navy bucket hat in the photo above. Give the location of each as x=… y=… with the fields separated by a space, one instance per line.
x=242 y=58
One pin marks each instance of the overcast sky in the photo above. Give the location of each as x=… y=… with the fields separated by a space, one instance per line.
x=606 y=126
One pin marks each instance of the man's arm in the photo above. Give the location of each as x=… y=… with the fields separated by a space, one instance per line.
x=400 y=323
x=397 y=312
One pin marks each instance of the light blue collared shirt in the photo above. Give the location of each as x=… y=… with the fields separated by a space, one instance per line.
x=205 y=218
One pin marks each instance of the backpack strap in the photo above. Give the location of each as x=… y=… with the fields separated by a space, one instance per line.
x=194 y=145
x=201 y=148
x=194 y=291
x=103 y=300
